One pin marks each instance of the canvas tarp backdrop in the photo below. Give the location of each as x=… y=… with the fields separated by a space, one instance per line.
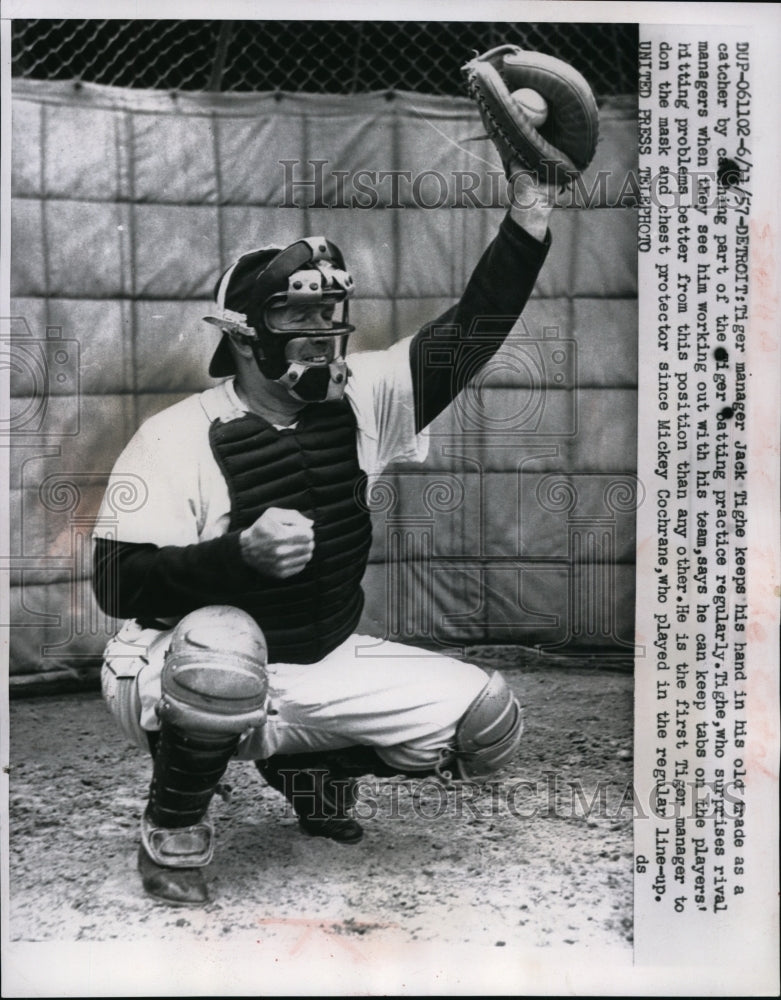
x=128 y=204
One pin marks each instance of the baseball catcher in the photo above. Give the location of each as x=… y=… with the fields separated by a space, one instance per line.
x=239 y=576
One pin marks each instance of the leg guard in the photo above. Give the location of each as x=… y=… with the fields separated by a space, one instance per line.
x=214 y=688
x=187 y=770
x=489 y=732
x=214 y=678
x=320 y=794
x=176 y=840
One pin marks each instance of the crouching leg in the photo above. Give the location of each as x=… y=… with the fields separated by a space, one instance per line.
x=214 y=688
x=471 y=747
x=489 y=732
x=320 y=793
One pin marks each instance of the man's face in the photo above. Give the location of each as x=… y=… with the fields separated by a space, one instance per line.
x=308 y=349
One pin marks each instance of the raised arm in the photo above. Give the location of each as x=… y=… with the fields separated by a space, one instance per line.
x=445 y=353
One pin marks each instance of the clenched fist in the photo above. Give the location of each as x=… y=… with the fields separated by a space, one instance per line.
x=280 y=542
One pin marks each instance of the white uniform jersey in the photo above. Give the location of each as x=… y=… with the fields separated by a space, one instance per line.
x=367 y=691
x=181 y=496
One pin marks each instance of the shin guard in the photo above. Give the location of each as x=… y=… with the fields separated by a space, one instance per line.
x=187 y=770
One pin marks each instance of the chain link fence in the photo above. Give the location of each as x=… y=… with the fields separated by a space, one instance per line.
x=326 y=57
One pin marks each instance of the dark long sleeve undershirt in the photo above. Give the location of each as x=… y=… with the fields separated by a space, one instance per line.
x=472 y=331
x=146 y=581
x=149 y=582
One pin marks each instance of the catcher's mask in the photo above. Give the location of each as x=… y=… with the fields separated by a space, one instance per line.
x=276 y=298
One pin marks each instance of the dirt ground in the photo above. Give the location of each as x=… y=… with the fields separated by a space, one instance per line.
x=541 y=859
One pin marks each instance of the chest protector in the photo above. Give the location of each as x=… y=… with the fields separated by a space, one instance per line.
x=313 y=469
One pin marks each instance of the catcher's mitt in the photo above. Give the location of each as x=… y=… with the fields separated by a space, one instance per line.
x=561 y=147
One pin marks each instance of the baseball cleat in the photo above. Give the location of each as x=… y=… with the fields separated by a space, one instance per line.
x=320 y=796
x=175 y=886
x=344 y=830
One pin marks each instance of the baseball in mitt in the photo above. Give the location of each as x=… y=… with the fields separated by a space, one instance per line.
x=555 y=148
